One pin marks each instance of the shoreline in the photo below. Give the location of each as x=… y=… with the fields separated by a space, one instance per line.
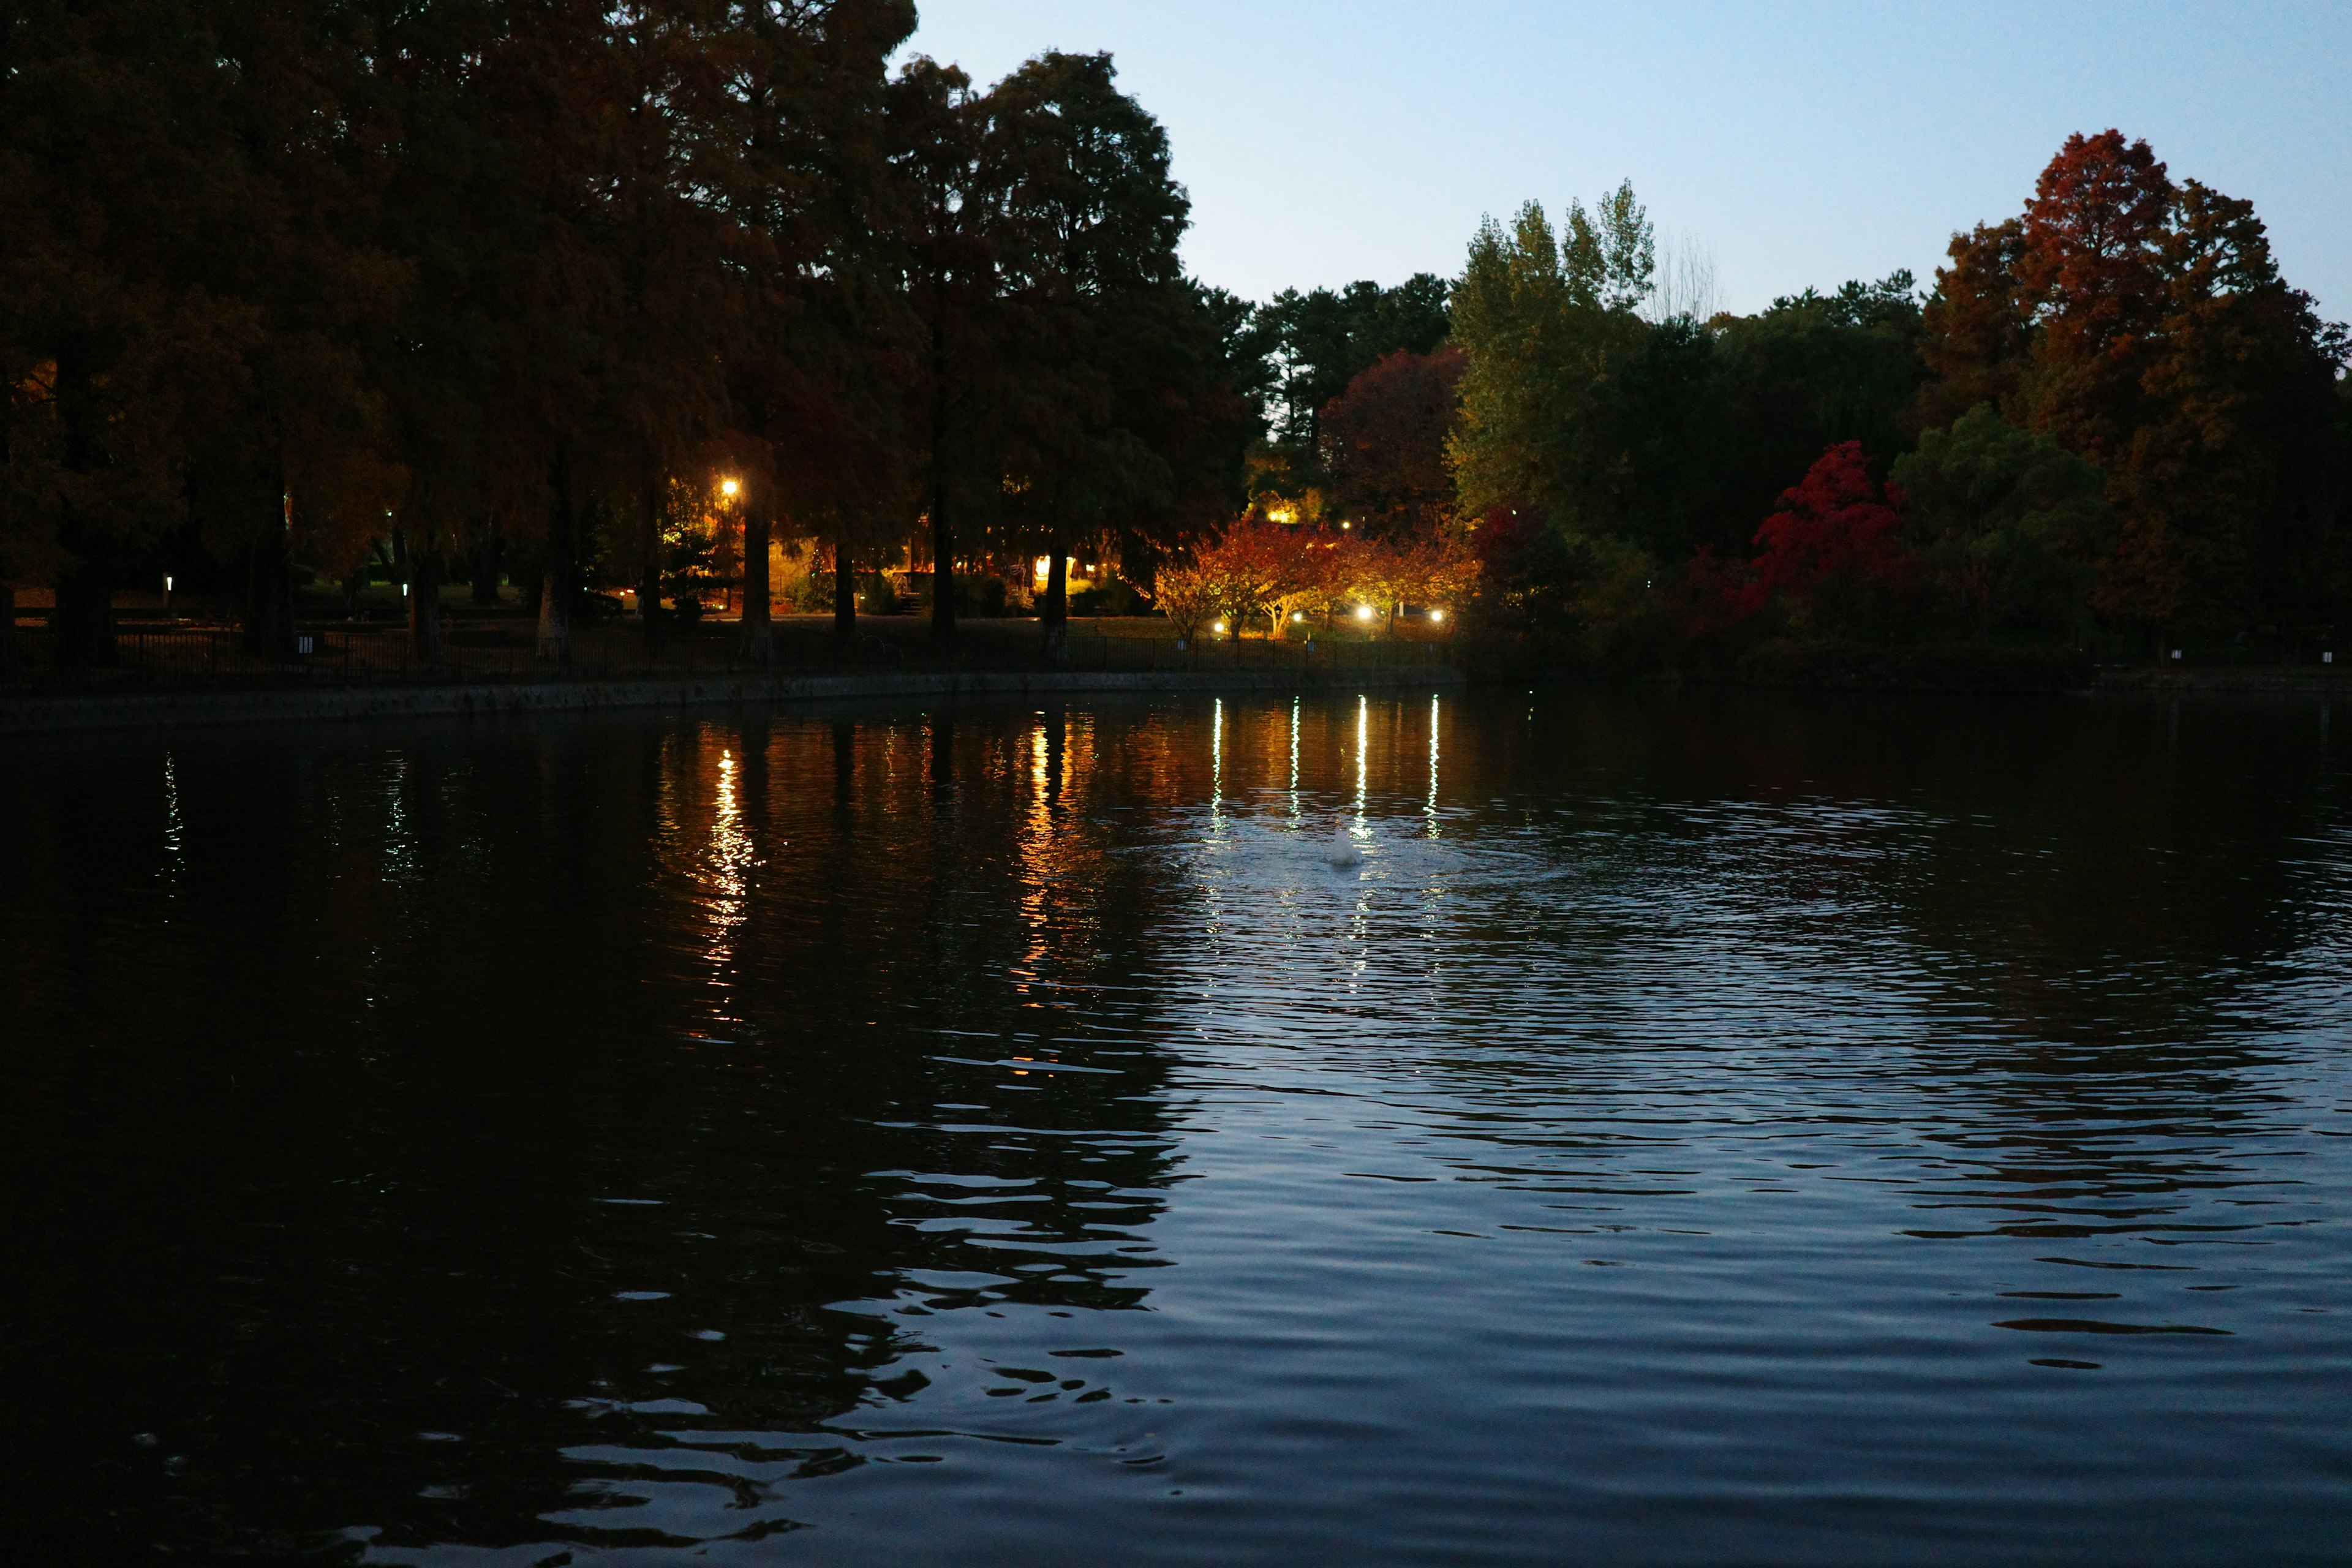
x=49 y=715
x=33 y=715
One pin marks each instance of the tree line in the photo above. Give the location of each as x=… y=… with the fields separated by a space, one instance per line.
x=2110 y=423
x=491 y=287
x=481 y=280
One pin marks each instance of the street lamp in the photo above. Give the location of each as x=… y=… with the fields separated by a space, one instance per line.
x=1437 y=614
x=1363 y=611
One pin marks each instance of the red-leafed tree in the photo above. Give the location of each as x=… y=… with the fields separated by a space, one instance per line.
x=1384 y=443
x=1833 y=553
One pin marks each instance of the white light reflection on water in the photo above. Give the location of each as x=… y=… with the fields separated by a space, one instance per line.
x=1430 y=811
x=1363 y=744
x=1294 y=761
x=174 y=828
x=399 y=842
x=726 y=881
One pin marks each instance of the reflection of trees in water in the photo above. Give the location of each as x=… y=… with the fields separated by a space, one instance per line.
x=2053 y=930
x=471 y=1075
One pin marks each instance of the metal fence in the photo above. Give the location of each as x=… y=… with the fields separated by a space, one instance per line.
x=344 y=653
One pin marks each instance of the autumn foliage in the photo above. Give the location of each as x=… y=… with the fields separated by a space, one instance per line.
x=1837 y=532
x=1267 y=573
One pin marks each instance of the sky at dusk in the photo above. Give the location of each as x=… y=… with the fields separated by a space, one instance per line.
x=1324 y=140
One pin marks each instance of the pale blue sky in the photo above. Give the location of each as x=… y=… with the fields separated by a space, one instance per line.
x=1324 y=140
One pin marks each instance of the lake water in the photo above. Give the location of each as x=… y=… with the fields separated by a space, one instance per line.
x=1678 y=1130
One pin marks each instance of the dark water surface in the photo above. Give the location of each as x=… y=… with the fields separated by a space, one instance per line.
x=1746 y=1130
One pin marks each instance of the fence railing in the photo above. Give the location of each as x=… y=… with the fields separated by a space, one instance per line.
x=345 y=654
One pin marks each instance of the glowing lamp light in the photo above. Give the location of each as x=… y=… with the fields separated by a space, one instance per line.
x=1363 y=611
x=1217 y=626
x=1297 y=615
x=1347 y=525
x=728 y=487
x=1437 y=614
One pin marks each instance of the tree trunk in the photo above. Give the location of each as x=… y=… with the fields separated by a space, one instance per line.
x=555 y=591
x=486 y=551
x=649 y=549
x=268 y=592
x=1054 y=617
x=82 y=627
x=757 y=637
x=942 y=533
x=424 y=607
x=844 y=598
x=943 y=625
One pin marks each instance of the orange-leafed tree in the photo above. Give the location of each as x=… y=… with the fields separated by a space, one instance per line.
x=2142 y=323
